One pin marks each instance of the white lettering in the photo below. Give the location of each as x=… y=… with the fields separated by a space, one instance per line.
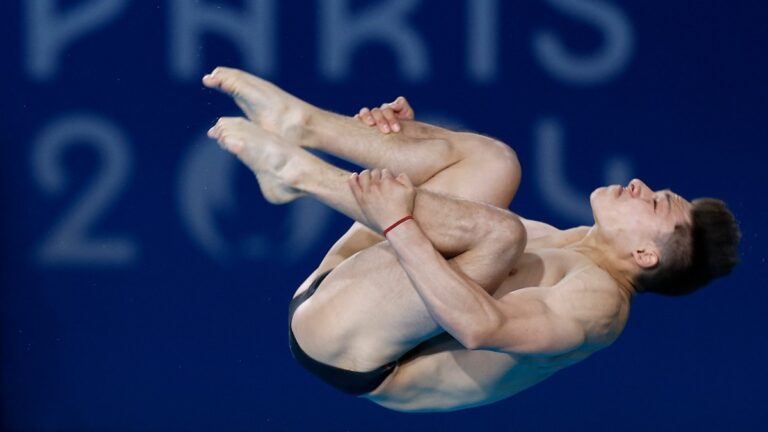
x=49 y=32
x=70 y=241
x=252 y=29
x=341 y=34
x=482 y=40
x=550 y=170
x=607 y=63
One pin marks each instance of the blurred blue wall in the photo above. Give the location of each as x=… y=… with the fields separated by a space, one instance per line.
x=145 y=281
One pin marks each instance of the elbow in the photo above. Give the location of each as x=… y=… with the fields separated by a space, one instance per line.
x=471 y=343
x=510 y=237
x=480 y=337
x=517 y=236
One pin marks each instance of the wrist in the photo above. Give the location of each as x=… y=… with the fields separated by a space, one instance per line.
x=409 y=242
x=397 y=223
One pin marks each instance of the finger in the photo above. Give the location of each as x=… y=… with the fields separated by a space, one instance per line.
x=354 y=185
x=379 y=117
x=404 y=179
x=389 y=116
x=405 y=112
x=365 y=116
x=364 y=179
x=369 y=119
x=375 y=176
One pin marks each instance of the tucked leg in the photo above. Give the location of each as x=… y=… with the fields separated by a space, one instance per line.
x=366 y=312
x=467 y=165
x=453 y=225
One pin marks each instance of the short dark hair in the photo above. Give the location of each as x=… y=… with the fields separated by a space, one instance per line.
x=696 y=252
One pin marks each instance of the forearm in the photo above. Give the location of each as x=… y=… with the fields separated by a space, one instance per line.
x=461 y=306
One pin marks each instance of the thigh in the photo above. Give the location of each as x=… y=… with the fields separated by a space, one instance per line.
x=488 y=170
x=364 y=314
x=367 y=313
x=357 y=238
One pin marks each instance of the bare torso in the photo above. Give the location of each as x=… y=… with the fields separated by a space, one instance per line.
x=441 y=375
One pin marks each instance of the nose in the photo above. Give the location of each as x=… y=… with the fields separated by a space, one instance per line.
x=638 y=189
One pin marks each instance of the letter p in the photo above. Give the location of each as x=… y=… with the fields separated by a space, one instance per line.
x=48 y=32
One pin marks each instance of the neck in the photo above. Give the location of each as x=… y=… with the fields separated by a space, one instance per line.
x=597 y=250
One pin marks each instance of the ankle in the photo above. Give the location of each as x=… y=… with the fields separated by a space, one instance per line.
x=302 y=171
x=311 y=134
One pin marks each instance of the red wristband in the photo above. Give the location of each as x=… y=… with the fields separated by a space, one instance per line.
x=394 y=225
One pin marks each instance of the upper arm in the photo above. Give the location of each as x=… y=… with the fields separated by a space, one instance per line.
x=529 y=325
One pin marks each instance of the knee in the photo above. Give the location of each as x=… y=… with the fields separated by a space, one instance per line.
x=497 y=159
x=489 y=149
x=504 y=162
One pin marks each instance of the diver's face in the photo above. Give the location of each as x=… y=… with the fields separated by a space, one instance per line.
x=636 y=213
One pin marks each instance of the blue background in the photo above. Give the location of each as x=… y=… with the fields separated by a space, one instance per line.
x=180 y=322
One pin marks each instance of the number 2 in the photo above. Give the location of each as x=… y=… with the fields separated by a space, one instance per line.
x=71 y=241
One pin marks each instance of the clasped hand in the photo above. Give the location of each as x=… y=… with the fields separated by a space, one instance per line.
x=383 y=198
x=388 y=116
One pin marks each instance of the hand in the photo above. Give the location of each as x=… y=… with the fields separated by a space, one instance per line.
x=384 y=199
x=388 y=116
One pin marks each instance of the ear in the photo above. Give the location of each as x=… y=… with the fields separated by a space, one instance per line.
x=647 y=257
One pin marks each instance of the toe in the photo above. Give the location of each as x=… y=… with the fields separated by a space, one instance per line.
x=230 y=133
x=221 y=70
x=211 y=81
x=219 y=79
x=216 y=130
x=230 y=139
x=227 y=79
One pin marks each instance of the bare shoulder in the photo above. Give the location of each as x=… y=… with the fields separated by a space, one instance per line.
x=591 y=297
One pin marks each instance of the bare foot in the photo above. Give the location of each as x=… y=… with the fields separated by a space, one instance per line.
x=274 y=161
x=263 y=102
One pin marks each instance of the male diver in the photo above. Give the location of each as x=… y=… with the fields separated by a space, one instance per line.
x=461 y=303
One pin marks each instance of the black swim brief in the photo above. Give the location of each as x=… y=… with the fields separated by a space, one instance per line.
x=350 y=382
